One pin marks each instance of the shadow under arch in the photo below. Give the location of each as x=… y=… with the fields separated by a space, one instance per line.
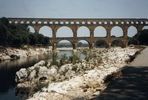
x=101 y=44
x=46 y=31
x=117 y=43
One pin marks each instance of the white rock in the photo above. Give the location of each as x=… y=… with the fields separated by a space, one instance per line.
x=41 y=63
x=32 y=75
x=21 y=75
x=64 y=68
x=43 y=72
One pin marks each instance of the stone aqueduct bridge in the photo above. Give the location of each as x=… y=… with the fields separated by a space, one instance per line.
x=74 y=24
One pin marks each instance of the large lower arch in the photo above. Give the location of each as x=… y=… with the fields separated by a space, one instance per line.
x=83 y=31
x=64 y=44
x=101 y=44
x=83 y=43
x=64 y=31
x=116 y=31
x=132 y=31
x=100 y=31
x=117 y=43
x=46 y=31
x=31 y=29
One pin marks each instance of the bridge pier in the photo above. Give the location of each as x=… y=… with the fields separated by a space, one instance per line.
x=74 y=45
x=125 y=36
x=108 y=30
x=37 y=28
x=91 y=45
x=54 y=46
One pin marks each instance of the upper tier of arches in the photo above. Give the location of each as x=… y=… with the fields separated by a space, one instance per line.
x=85 y=31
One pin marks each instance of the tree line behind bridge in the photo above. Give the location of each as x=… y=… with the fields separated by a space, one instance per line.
x=18 y=35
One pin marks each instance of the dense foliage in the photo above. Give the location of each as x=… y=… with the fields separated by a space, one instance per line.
x=141 y=38
x=17 y=35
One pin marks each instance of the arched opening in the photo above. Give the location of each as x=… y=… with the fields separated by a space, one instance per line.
x=132 y=31
x=64 y=31
x=83 y=31
x=116 y=31
x=101 y=44
x=145 y=28
x=100 y=31
x=64 y=44
x=117 y=43
x=46 y=31
x=31 y=29
x=83 y=43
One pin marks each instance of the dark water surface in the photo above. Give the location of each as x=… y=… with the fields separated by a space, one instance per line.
x=7 y=75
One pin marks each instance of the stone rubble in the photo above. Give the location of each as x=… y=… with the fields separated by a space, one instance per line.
x=15 y=53
x=74 y=81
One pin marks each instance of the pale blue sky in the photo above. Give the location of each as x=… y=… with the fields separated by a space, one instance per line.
x=75 y=9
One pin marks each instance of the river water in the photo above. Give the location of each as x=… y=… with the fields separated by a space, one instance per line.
x=9 y=68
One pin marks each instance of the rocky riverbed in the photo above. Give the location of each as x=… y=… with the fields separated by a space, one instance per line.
x=10 y=53
x=81 y=80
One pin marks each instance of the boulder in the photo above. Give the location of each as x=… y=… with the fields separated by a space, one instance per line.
x=43 y=72
x=21 y=75
x=32 y=75
x=6 y=57
x=69 y=74
x=64 y=68
x=41 y=63
x=53 y=71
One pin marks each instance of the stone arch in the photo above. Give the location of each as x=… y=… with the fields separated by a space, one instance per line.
x=132 y=30
x=117 y=43
x=46 y=31
x=64 y=43
x=145 y=27
x=31 y=29
x=64 y=31
x=117 y=31
x=83 y=43
x=100 y=31
x=83 y=31
x=101 y=44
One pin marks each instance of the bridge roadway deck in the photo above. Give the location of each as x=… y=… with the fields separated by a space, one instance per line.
x=133 y=84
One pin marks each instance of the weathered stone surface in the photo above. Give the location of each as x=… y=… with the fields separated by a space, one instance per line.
x=32 y=75
x=41 y=63
x=21 y=75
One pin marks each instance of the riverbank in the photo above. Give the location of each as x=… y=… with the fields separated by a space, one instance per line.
x=132 y=84
x=10 y=53
x=81 y=80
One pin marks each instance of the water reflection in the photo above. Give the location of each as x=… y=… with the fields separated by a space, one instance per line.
x=69 y=53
